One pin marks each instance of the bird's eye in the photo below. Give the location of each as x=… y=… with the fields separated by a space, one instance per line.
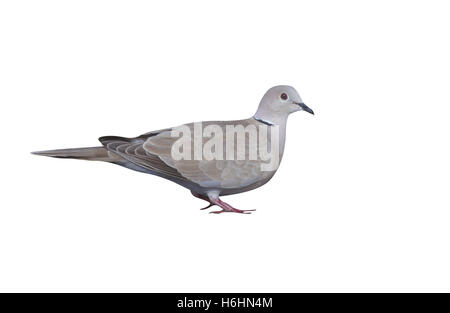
x=284 y=96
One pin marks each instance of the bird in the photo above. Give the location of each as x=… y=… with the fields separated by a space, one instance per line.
x=209 y=178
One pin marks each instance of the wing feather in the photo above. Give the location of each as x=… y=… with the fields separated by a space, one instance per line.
x=209 y=173
x=153 y=151
x=131 y=149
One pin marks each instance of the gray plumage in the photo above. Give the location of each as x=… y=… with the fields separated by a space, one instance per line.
x=207 y=179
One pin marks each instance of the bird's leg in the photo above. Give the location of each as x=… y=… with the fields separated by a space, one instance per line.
x=197 y=195
x=226 y=207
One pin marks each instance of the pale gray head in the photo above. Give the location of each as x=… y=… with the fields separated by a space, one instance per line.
x=278 y=103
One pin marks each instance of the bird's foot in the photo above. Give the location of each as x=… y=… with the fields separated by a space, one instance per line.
x=214 y=200
x=232 y=211
x=227 y=208
x=208 y=206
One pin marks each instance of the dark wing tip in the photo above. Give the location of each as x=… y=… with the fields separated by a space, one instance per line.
x=105 y=139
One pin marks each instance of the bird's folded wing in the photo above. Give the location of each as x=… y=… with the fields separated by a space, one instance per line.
x=132 y=150
x=207 y=173
x=154 y=151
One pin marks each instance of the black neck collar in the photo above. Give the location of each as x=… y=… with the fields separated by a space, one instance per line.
x=263 y=121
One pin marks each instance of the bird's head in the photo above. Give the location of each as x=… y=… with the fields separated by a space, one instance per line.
x=280 y=101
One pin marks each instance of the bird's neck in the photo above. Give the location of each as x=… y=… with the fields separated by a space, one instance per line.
x=275 y=121
x=274 y=118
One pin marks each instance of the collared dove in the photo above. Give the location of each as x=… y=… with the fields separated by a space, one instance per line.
x=206 y=178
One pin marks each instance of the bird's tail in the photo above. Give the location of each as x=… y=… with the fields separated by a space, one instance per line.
x=93 y=154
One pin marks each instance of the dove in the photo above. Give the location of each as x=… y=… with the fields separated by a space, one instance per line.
x=220 y=166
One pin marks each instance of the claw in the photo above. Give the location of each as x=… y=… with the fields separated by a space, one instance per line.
x=217 y=212
x=207 y=207
x=242 y=211
x=232 y=211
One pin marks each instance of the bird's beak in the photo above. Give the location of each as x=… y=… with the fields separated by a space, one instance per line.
x=304 y=107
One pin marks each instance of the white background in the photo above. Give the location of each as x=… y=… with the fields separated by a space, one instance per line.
x=360 y=202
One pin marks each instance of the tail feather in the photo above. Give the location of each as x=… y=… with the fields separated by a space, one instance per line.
x=93 y=154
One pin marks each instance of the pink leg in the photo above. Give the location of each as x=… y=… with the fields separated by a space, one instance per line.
x=226 y=207
x=203 y=198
